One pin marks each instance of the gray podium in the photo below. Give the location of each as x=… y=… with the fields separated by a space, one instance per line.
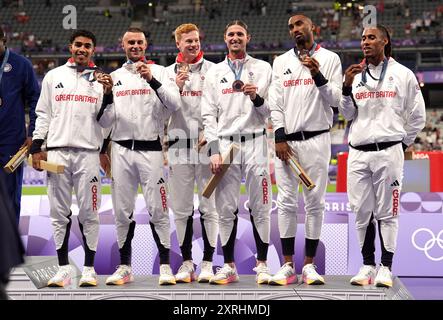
x=146 y=288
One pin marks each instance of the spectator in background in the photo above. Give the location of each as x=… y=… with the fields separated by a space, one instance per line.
x=407 y=11
x=107 y=13
x=262 y=6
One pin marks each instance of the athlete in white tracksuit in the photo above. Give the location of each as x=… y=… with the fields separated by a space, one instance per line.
x=67 y=111
x=301 y=96
x=228 y=117
x=385 y=104
x=143 y=95
x=185 y=127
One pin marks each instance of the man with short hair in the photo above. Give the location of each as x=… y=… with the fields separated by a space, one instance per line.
x=235 y=110
x=386 y=106
x=72 y=97
x=186 y=148
x=306 y=83
x=18 y=87
x=143 y=97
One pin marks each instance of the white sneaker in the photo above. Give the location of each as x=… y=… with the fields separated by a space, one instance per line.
x=263 y=273
x=166 y=275
x=286 y=275
x=225 y=275
x=206 y=272
x=310 y=275
x=122 y=275
x=365 y=276
x=384 y=277
x=62 y=277
x=186 y=272
x=89 y=277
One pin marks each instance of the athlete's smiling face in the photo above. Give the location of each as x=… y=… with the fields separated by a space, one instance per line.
x=236 y=39
x=134 y=44
x=189 y=45
x=82 y=49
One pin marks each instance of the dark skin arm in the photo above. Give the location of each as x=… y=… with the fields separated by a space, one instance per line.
x=350 y=73
x=283 y=151
x=312 y=64
x=36 y=157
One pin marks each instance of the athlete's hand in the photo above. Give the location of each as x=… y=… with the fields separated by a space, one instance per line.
x=36 y=157
x=201 y=143
x=105 y=163
x=144 y=70
x=180 y=79
x=250 y=90
x=106 y=81
x=350 y=73
x=27 y=144
x=283 y=151
x=312 y=64
x=216 y=163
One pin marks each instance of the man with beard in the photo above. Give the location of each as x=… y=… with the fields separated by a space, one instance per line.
x=143 y=96
x=67 y=112
x=306 y=83
x=386 y=106
x=234 y=109
x=186 y=147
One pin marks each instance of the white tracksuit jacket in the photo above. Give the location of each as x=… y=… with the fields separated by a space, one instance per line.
x=297 y=104
x=386 y=111
x=227 y=113
x=138 y=113
x=190 y=99
x=67 y=110
x=66 y=116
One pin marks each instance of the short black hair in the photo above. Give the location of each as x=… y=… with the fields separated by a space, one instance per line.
x=83 y=33
x=2 y=34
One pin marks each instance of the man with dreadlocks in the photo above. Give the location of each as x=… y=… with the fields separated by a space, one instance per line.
x=384 y=100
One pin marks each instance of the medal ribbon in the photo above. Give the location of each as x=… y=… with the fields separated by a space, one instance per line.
x=382 y=74
x=235 y=68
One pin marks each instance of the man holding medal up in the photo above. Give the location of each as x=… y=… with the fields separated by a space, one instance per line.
x=186 y=168
x=386 y=106
x=18 y=86
x=235 y=110
x=143 y=97
x=306 y=83
x=72 y=97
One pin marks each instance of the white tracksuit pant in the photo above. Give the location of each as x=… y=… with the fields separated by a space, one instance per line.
x=252 y=162
x=81 y=172
x=129 y=169
x=313 y=155
x=182 y=177
x=374 y=184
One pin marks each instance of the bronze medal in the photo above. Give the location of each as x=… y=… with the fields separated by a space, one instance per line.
x=303 y=54
x=237 y=85
x=183 y=67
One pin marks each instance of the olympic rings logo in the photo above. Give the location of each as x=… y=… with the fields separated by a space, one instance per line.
x=273 y=207
x=429 y=244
